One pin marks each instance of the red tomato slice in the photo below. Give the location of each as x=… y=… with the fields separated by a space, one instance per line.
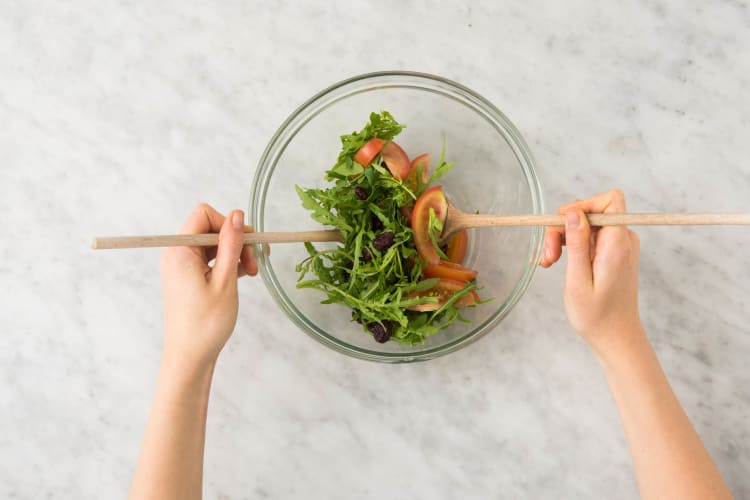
x=457 y=247
x=411 y=178
x=369 y=151
x=432 y=198
x=449 y=270
x=396 y=160
x=469 y=300
x=444 y=290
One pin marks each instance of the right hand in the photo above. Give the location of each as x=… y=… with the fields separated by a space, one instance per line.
x=601 y=280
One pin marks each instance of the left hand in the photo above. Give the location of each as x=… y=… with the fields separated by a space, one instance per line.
x=200 y=301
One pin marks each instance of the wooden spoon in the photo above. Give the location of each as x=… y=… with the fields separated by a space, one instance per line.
x=455 y=221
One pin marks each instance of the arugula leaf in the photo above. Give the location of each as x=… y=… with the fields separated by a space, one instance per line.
x=434 y=230
x=381 y=125
x=441 y=169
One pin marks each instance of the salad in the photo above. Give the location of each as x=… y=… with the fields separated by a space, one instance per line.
x=399 y=279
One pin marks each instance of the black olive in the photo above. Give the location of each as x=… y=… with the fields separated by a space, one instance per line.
x=366 y=255
x=383 y=241
x=377 y=224
x=381 y=332
x=361 y=193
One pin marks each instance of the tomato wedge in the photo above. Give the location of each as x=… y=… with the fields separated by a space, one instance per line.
x=369 y=151
x=396 y=160
x=433 y=198
x=469 y=300
x=449 y=270
x=411 y=178
x=457 y=247
x=444 y=290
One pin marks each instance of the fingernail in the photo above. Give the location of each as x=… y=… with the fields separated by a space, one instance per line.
x=547 y=254
x=572 y=219
x=237 y=219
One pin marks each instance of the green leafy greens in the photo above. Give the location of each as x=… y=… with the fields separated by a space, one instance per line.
x=376 y=282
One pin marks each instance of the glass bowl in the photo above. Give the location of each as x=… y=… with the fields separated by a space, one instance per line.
x=494 y=173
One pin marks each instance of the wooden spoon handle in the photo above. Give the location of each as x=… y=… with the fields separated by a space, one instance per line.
x=481 y=220
x=210 y=240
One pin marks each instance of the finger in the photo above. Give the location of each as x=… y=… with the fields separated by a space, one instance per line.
x=612 y=201
x=554 y=239
x=248 y=262
x=203 y=219
x=577 y=239
x=246 y=254
x=230 y=248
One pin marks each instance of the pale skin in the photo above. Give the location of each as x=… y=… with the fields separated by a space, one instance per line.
x=601 y=301
x=200 y=311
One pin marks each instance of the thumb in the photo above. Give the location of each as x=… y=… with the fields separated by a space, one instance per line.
x=577 y=234
x=230 y=248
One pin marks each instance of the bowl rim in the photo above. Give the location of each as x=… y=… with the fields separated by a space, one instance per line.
x=403 y=79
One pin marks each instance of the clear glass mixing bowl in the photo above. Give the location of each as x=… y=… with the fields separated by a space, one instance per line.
x=494 y=173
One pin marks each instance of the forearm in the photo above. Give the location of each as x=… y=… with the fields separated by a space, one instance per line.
x=669 y=457
x=170 y=464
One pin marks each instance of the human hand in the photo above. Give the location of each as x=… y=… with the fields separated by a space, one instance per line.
x=200 y=301
x=601 y=280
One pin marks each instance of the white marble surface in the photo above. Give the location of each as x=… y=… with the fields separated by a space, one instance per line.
x=118 y=117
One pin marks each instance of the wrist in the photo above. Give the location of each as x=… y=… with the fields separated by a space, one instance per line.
x=185 y=378
x=620 y=342
x=189 y=350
